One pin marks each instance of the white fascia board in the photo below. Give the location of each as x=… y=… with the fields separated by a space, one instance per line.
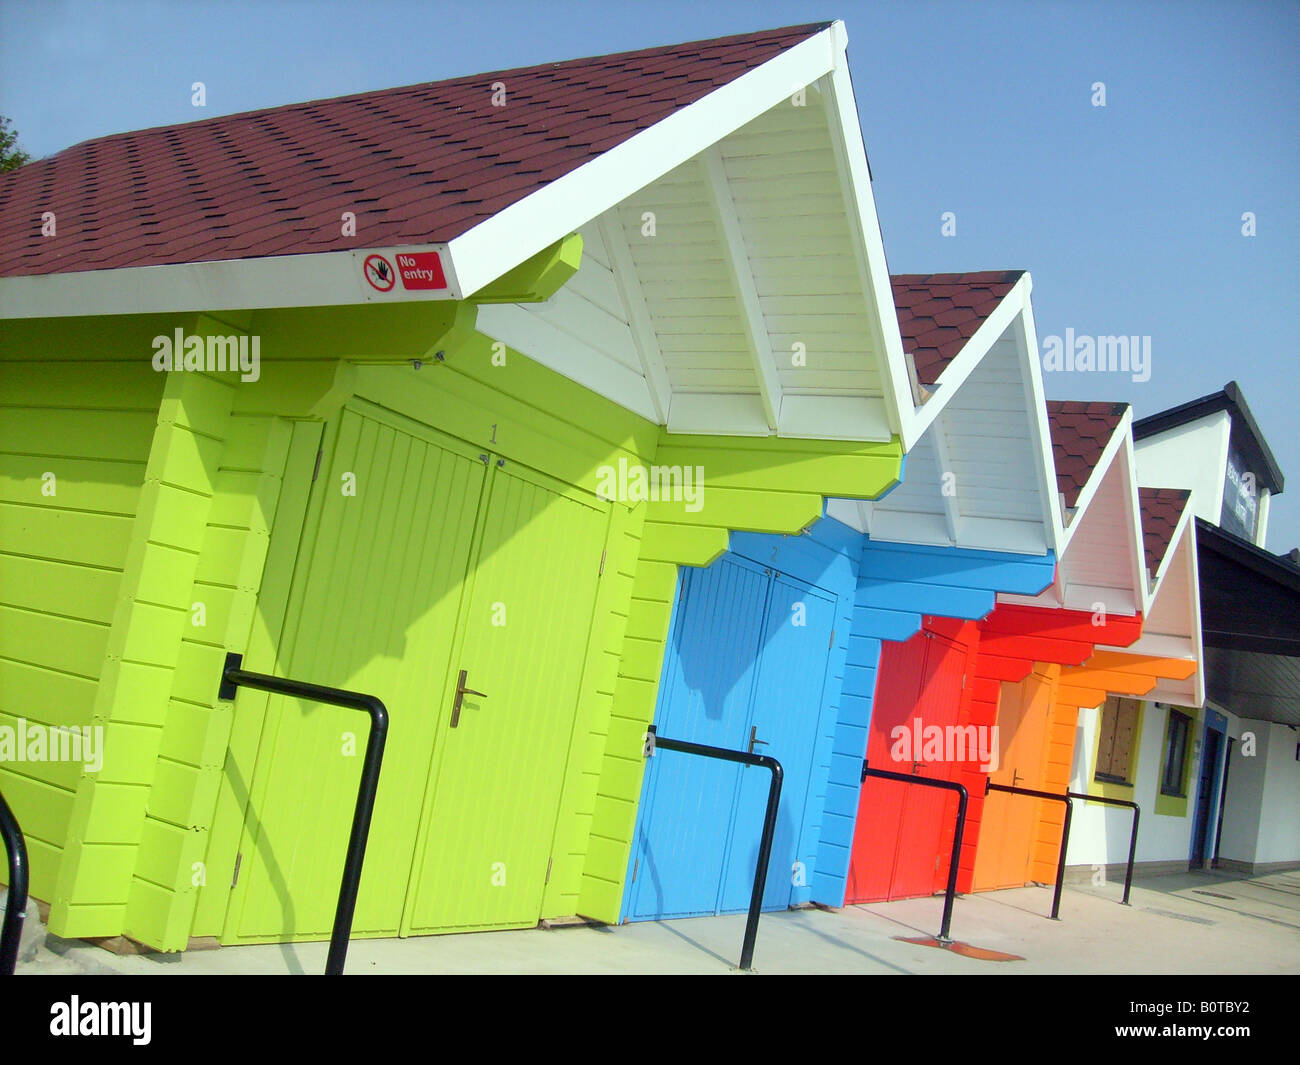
x=1171 y=552
x=1158 y=645
x=1115 y=600
x=1116 y=461
x=1051 y=598
x=1012 y=314
x=1194 y=609
x=856 y=418
x=866 y=236
x=1179 y=692
x=971 y=355
x=717 y=414
x=1109 y=455
x=1002 y=534
x=909 y=527
x=469 y=261
x=1137 y=550
x=931 y=530
x=512 y=235
x=320 y=279
x=1036 y=398
x=834 y=418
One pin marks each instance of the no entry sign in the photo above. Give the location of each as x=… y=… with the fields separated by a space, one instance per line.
x=379 y=273
x=421 y=272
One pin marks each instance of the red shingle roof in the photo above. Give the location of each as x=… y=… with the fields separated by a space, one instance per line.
x=420 y=164
x=1161 y=509
x=1080 y=433
x=938 y=313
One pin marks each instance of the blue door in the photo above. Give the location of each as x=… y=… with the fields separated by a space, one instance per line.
x=746 y=668
x=1209 y=787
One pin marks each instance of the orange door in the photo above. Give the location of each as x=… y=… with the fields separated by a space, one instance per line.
x=1009 y=822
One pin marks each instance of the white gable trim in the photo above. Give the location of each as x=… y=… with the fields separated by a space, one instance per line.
x=521 y=230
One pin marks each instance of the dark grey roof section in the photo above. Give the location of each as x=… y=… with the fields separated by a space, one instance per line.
x=1246 y=437
x=1250 y=626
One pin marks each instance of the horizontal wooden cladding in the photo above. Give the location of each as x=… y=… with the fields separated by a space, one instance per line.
x=848 y=469
x=1115 y=673
x=124 y=339
x=782 y=218
x=1103 y=543
x=74 y=451
x=1069 y=625
x=74 y=444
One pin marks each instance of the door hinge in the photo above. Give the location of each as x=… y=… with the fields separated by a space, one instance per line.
x=602 y=565
x=548 y=870
x=316 y=470
x=239 y=860
x=635 y=866
x=832 y=643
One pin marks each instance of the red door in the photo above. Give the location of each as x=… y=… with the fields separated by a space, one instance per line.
x=880 y=805
x=900 y=845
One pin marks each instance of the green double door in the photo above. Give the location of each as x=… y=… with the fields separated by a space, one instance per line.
x=423 y=557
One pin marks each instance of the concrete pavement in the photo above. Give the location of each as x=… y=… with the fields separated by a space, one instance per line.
x=1189 y=923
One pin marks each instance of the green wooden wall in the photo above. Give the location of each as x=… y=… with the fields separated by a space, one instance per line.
x=75 y=438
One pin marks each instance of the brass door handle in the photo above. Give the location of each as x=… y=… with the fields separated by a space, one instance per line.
x=754 y=740
x=461 y=692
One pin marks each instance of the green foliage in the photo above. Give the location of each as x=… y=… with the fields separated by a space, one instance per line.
x=11 y=156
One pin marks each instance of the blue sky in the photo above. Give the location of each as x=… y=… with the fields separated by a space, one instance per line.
x=1128 y=216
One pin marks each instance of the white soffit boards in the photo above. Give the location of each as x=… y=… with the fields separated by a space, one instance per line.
x=1101 y=560
x=980 y=476
x=744 y=291
x=1171 y=626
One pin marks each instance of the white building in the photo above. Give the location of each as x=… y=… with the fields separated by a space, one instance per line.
x=1218 y=785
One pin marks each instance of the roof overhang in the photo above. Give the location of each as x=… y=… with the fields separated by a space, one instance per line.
x=734 y=278
x=1171 y=630
x=733 y=206
x=979 y=473
x=1102 y=564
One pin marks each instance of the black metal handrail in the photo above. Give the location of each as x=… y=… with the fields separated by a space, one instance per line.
x=1133 y=835
x=16 y=904
x=232 y=678
x=1065 y=832
x=962 y=798
x=769 y=822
